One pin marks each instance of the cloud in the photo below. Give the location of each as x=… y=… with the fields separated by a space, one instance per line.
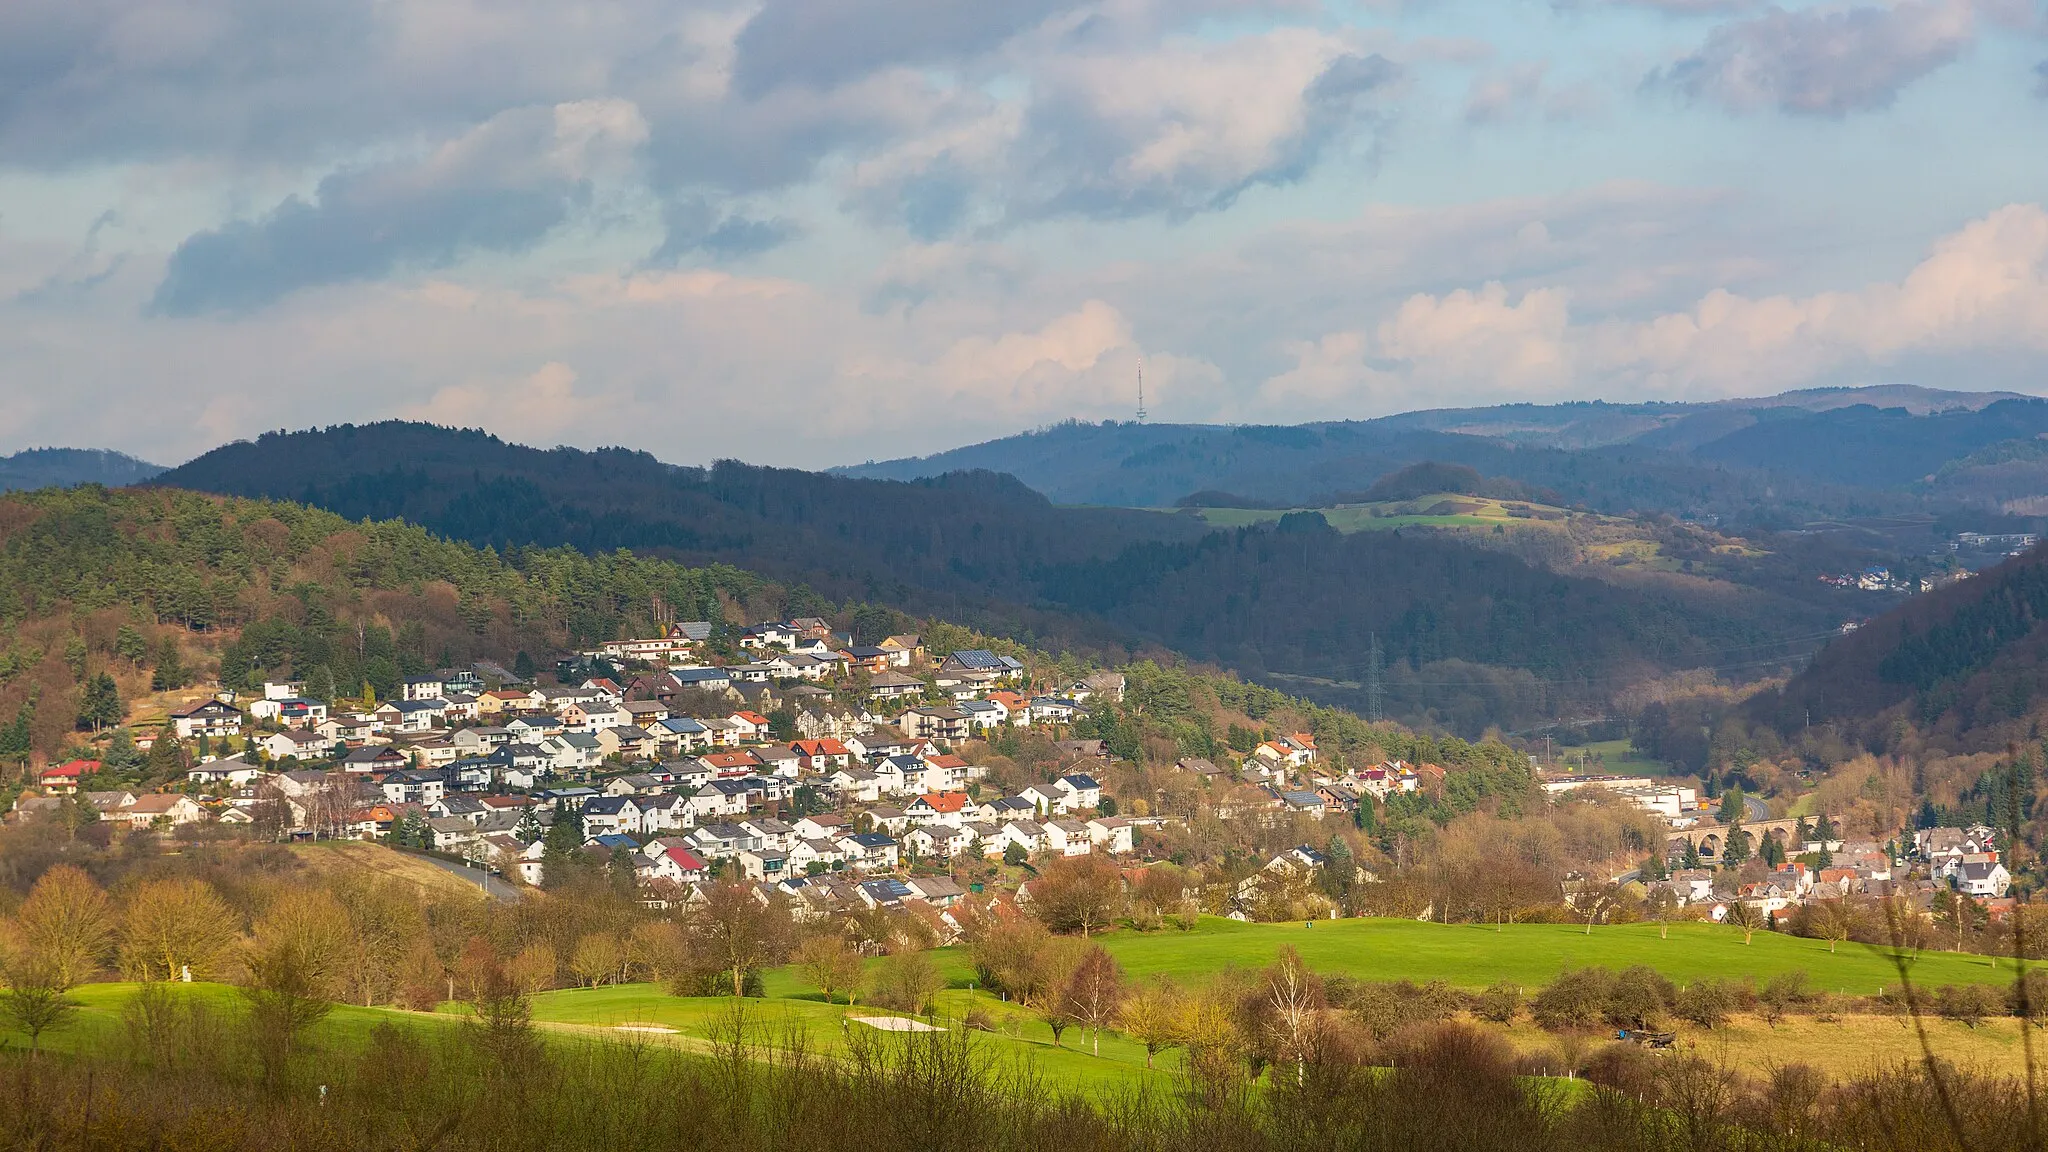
x=1829 y=61
x=1981 y=292
x=1183 y=128
x=1503 y=95
x=694 y=226
x=826 y=43
x=500 y=187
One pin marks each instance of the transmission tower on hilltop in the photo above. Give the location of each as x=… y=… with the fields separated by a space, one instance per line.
x=1141 y=389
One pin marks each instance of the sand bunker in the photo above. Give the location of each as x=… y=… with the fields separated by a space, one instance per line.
x=895 y=1024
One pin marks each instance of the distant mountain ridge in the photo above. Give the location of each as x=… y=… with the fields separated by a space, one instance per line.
x=64 y=467
x=1769 y=463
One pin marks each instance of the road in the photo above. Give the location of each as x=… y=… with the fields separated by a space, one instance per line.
x=1758 y=810
x=499 y=890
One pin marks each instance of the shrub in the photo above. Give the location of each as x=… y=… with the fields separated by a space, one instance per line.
x=1576 y=999
x=1501 y=1003
x=1707 y=1003
x=1966 y=1004
x=1637 y=997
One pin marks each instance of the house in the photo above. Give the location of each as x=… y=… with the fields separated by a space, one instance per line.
x=573 y=751
x=821 y=755
x=823 y=826
x=939 y=841
x=1006 y=808
x=371 y=760
x=233 y=771
x=451 y=833
x=774 y=834
x=938 y=891
x=295 y=744
x=938 y=808
x=627 y=742
x=868 y=657
x=1983 y=879
x=64 y=779
x=904 y=650
x=721 y=841
x=883 y=818
x=1026 y=834
x=423 y=688
x=1081 y=791
x=1046 y=799
x=509 y=854
x=872 y=851
x=670 y=858
x=892 y=685
x=1053 y=710
x=1068 y=838
x=405 y=786
x=211 y=718
x=983 y=661
x=666 y=812
x=1112 y=834
x=779 y=760
x=729 y=764
x=606 y=815
x=984 y=715
x=168 y=809
x=764 y=865
x=349 y=730
x=948 y=725
x=887 y=892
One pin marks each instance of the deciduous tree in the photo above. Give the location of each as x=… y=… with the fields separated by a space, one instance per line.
x=1096 y=991
x=172 y=927
x=66 y=925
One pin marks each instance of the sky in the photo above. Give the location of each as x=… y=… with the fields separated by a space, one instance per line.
x=817 y=232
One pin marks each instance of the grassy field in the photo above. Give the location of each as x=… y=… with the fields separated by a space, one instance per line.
x=1376 y=949
x=1617 y=757
x=363 y=859
x=1472 y=956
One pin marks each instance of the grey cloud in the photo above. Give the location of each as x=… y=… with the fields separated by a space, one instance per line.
x=90 y=81
x=826 y=43
x=1084 y=144
x=1824 y=61
x=498 y=188
x=694 y=226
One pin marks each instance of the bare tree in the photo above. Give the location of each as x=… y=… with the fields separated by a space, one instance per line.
x=1293 y=999
x=175 y=928
x=1096 y=991
x=1835 y=920
x=66 y=925
x=736 y=933
x=829 y=963
x=1078 y=894
x=597 y=959
x=1744 y=917
x=35 y=1002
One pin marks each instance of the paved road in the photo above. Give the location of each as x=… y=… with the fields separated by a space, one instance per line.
x=498 y=889
x=1758 y=810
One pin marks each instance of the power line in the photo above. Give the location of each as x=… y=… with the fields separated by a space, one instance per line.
x=1375 y=691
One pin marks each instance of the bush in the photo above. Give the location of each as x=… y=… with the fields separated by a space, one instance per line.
x=1385 y=1009
x=1708 y=1003
x=1966 y=1004
x=1637 y=997
x=1576 y=999
x=1501 y=1003
x=1783 y=993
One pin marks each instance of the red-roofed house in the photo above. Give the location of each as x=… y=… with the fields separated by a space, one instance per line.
x=938 y=808
x=821 y=755
x=64 y=779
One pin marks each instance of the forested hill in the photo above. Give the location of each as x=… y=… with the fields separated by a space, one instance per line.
x=950 y=543
x=63 y=467
x=1966 y=666
x=1296 y=609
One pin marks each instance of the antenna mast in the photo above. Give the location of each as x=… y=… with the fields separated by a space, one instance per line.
x=1141 y=389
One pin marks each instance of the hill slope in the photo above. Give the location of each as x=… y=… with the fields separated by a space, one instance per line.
x=982 y=549
x=64 y=467
x=1966 y=665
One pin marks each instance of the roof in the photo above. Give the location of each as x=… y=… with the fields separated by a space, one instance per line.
x=944 y=801
x=1080 y=782
x=980 y=660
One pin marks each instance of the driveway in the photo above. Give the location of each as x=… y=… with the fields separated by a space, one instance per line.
x=498 y=889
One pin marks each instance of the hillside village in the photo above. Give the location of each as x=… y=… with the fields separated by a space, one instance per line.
x=843 y=776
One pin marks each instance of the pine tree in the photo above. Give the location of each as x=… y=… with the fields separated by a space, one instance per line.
x=101 y=705
x=17 y=739
x=170 y=670
x=320 y=684
x=562 y=849
x=130 y=646
x=529 y=828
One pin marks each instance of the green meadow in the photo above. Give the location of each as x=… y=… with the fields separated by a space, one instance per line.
x=1466 y=956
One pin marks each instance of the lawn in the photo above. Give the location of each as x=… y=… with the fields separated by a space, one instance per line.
x=1531 y=955
x=1464 y=955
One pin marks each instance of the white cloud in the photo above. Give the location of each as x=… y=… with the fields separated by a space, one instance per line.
x=1982 y=291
